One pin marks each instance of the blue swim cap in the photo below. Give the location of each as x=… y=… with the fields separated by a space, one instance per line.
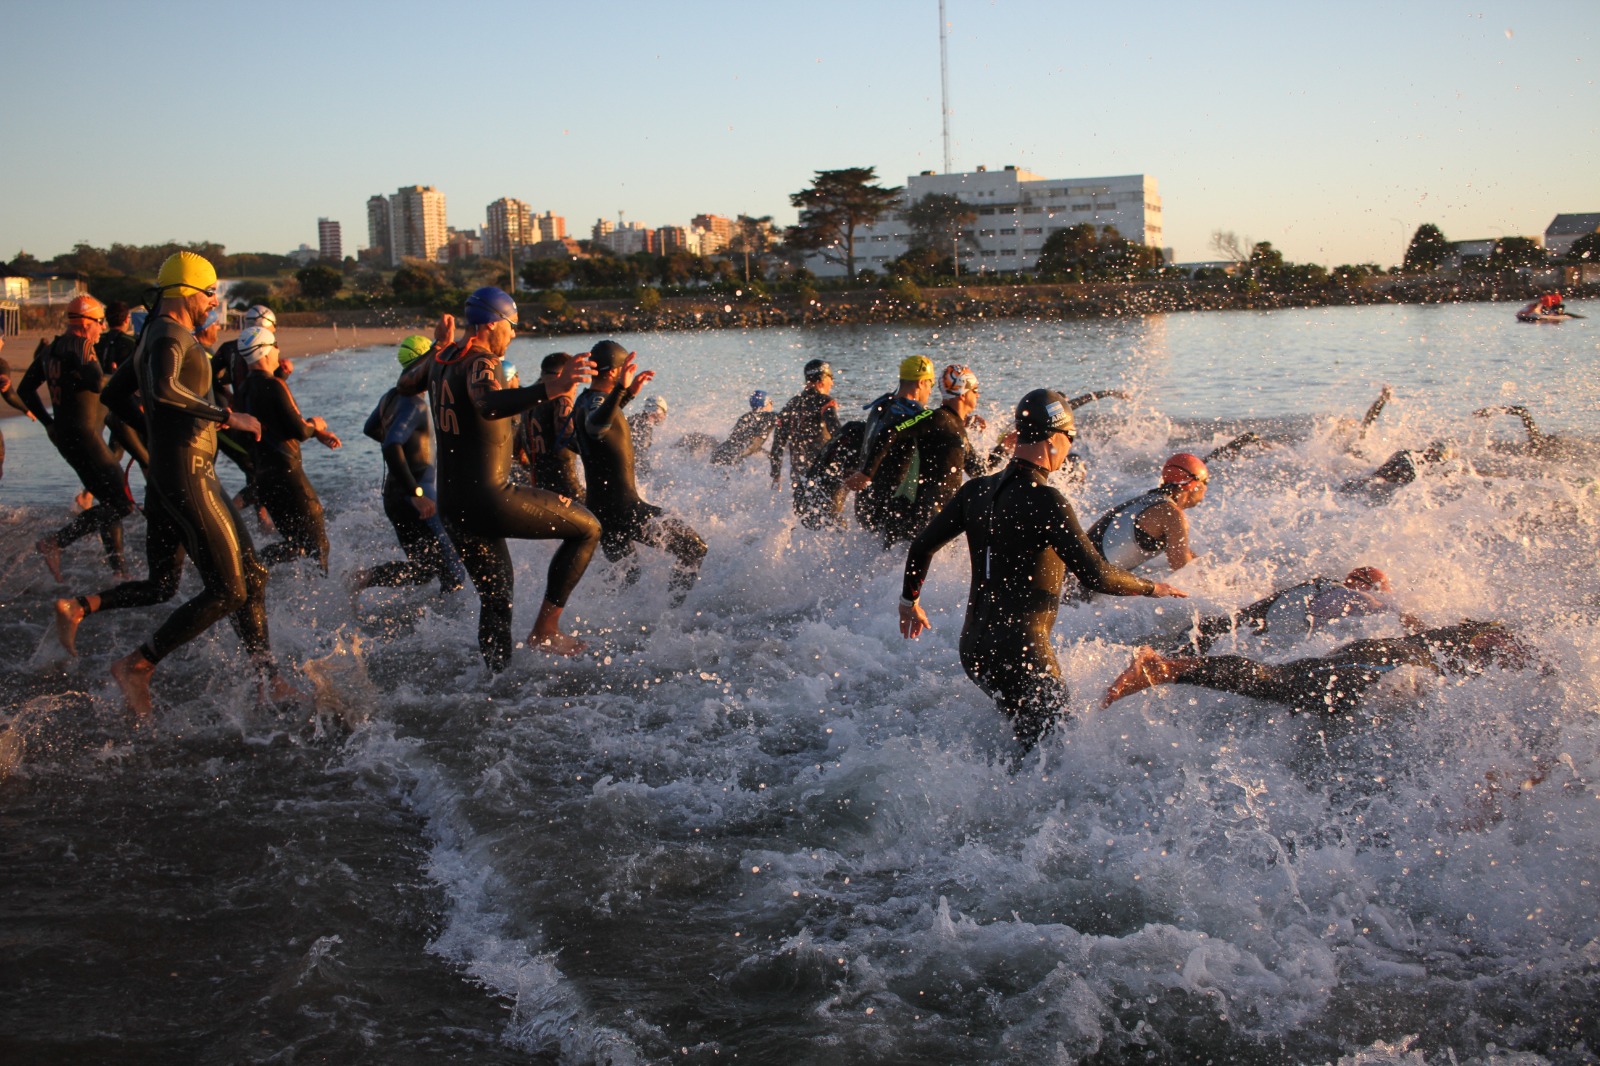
x=758 y=401
x=488 y=305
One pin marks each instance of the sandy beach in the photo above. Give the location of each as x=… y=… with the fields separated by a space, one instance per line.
x=296 y=342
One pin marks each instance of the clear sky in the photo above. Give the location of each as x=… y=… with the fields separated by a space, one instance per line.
x=1331 y=130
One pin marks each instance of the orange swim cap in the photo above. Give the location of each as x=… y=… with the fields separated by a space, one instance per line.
x=1184 y=468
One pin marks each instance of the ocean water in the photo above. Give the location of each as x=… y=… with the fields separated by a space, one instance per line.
x=762 y=827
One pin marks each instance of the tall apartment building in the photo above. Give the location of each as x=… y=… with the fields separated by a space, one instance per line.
x=548 y=227
x=626 y=238
x=716 y=232
x=330 y=245
x=670 y=239
x=416 y=226
x=1017 y=210
x=510 y=226
x=378 y=239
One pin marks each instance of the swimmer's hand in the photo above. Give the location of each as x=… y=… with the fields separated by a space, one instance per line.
x=329 y=440
x=244 y=423
x=1163 y=590
x=426 y=508
x=444 y=333
x=578 y=371
x=913 y=622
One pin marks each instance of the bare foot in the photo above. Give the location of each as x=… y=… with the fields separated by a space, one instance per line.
x=557 y=643
x=52 y=557
x=132 y=675
x=1148 y=668
x=84 y=500
x=68 y=615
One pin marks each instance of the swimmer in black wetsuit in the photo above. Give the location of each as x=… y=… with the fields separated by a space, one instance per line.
x=228 y=372
x=281 y=483
x=805 y=426
x=114 y=348
x=1139 y=529
x=472 y=412
x=9 y=395
x=1022 y=538
x=820 y=495
x=410 y=496
x=642 y=427
x=1302 y=608
x=1399 y=470
x=546 y=437
x=1540 y=445
x=75 y=424
x=174 y=375
x=749 y=433
x=1332 y=683
x=889 y=449
x=611 y=492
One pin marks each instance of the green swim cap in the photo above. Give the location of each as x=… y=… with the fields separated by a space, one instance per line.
x=413 y=348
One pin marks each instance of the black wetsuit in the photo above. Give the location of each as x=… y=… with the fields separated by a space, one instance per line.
x=944 y=458
x=113 y=349
x=1022 y=538
x=74 y=378
x=642 y=428
x=606 y=447
x=228 y=372
x=472 y=413
x=281 y=483
x=749 y=433
x=805 y=426
x=1400 y=469
x=819 y=496
x=400 y=425
x=1298 y=609
x=174 y=374
x=547 y=434
x=163 y=540
x=895 y=426
x=1329 y=684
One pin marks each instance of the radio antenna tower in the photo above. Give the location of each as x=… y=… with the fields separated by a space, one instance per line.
x=944 y=81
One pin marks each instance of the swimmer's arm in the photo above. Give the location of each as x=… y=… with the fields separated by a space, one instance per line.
x=946 y=526
x=10 y=396
x=780 y=441
x=1376 y=409
x=120 y=395
x=165 y=365
x=394 y=452
x=1072 y=544
x=1173 y=529
x=1099 y=394
x=28 y=389
x=374 y=424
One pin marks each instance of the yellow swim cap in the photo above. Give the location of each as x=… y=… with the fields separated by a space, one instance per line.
x=413 y=348
x=916 y=368
x=186 y=270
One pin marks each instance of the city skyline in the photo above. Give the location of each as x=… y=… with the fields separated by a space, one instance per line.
x=1331 y=133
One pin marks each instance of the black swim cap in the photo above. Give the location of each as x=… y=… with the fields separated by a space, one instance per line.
x=1043 y=413
x=818 y=369
x=608 y=355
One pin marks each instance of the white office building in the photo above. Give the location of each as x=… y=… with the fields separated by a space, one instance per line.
x=1017 y=210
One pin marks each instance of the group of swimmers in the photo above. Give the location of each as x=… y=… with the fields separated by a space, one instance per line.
x=484 y=458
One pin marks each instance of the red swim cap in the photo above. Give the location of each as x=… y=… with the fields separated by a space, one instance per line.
x=1184 y=468
x=87 y=307
x=1363 y=578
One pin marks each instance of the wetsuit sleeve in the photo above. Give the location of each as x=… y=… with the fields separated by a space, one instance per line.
x=947 y=525
x=165 y=361
x=9 y=394
x=32 y=378
x=492 y=402
x=374 y=424
x=1090 y=397
x=599 y=420
x=280 y=410
x=120 y=395
x=874 y=459
x=405 y=423
x=780 y=437
x=1070 y=542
